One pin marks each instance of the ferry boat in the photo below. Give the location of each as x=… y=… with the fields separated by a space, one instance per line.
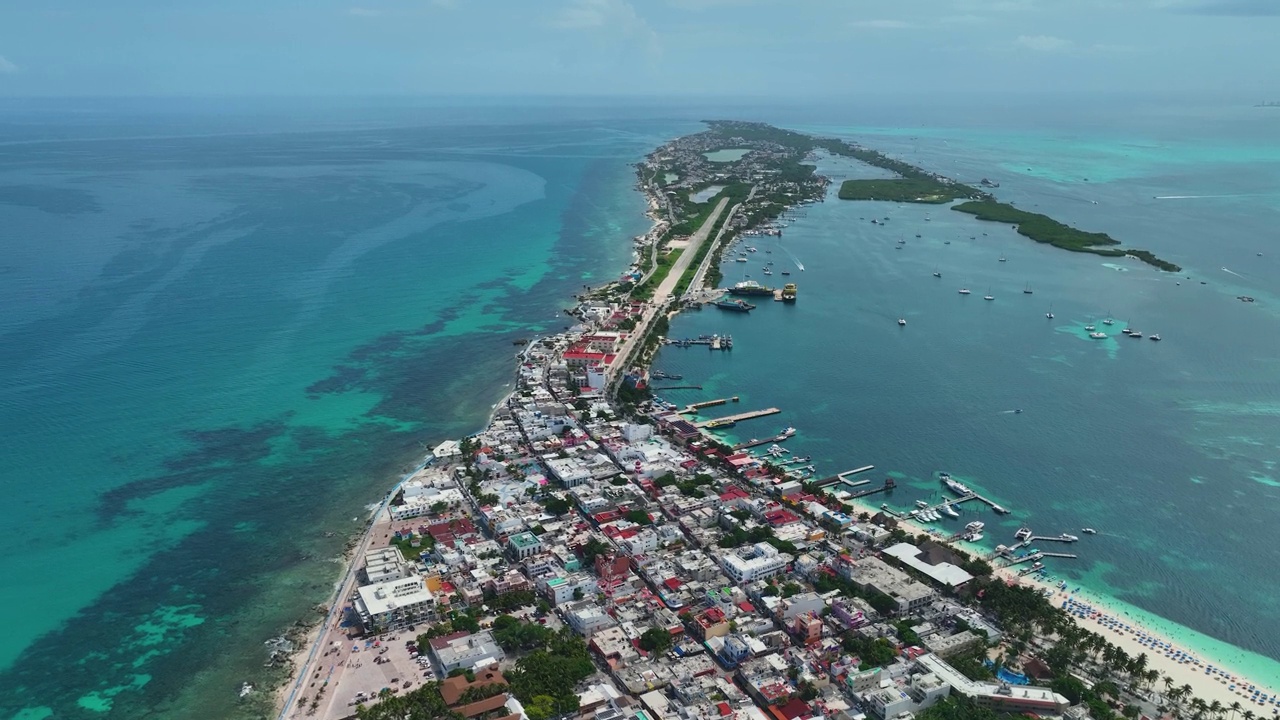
x=750 y=287
x=1097 y=335
x=735 y=305
x=788 y=291
x=901 y=322
x=1024 y=533
x=724 y=423
x=964 y=291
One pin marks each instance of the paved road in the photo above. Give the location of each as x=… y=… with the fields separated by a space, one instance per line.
x=663 y=292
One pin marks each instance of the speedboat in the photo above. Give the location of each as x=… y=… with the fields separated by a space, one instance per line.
x=1001 y=258
x=937 y=274
x=1017 y=411
x=902 y=321
x=964 y=291
x=1068 y=538
x=973 y=537
x=922 y=503
x=1089 y=531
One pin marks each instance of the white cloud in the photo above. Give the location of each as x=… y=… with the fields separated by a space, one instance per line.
x=1043 y=43
x=610 y=21
x=6 y=67
x=880 y=24
x=365 y=12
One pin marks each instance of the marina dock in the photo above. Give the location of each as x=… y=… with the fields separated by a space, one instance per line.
x=730 y=420
x=714 y=342
x=693 y=408
x=757 y=443
x=678 y=387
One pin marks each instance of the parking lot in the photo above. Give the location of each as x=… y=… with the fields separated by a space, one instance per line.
x=361 y=669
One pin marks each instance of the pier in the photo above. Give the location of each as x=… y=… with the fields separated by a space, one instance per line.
x=729 y=420
x=713 y=342
x=757 y=443
x=841 y=476
x=693 y=408
x=678 y=387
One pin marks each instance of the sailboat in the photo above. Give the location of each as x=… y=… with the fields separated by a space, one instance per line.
x=1050 y=313
x=1108 y=320
x=988 y=296
x=1027 y=290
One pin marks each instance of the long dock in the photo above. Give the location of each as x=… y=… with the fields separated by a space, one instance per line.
x=678 y=387
x=693 y=408
x=731 y=419
x=841 y=476
x=766 y=441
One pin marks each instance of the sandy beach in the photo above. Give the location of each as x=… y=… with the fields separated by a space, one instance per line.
x=1210 y=678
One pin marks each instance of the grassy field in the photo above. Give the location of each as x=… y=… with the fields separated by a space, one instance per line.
x=645 y=289
x=914 y=190
x=1045 y=229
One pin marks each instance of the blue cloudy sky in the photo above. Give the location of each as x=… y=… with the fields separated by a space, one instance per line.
x=642 y=47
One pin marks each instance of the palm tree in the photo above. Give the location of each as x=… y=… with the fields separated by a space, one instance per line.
x=1216 y=708
x=1198 y=707
x=1235 y=707
x=1248 y=715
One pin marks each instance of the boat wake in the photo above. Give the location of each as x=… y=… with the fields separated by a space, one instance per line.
x=1197 y=197
x=1233 y=272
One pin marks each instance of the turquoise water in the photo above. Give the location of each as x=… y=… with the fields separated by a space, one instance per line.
x=221 y=345
x=726 y=155
x=1168 y=449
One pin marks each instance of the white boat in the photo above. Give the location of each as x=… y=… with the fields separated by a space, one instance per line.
x=973 y=537
x=901 y=321
x=245 y=689
x=964 y=291
x=975 y=526
x=1023 y=533
x=1001 y=258
x=937 y=274
x=1068 y=537
x=1089 y=531
x=950 y=511
x=741 y=259
x=1135 y=334
x=956 y=487
x=1155 y=336
x=1097 y=335
x=922 y=504
x=988 y=296
x=1108 y=321
x=1089 y=328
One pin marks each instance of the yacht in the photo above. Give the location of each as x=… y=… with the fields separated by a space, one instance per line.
x=956 y=487
x=1002 y=258
x=949 y=511
x=1068 y=537
x=786 y=272
x=1155 y=336
x=922 y=503
x=975 y=526
x=901 y=322
x=1024 y=533
x=1097 y=335
x=964 y=291
x=1089 y=328
x=1135 y=334
x=767 y=271
x=973 y=537
x=741 y=258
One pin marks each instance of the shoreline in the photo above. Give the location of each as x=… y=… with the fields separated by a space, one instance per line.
x=1127 y=632
x=302 y=659
x=645 y=247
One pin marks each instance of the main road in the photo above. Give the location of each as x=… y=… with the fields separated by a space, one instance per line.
x=662 y=293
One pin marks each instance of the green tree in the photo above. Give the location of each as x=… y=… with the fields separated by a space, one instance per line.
x=656 y=640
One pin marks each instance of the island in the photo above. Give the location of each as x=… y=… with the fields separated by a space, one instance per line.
x=593 y=552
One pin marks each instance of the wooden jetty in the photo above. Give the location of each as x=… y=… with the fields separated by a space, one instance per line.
x=693 y=408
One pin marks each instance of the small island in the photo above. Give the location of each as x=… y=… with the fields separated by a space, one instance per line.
x=915 y=190
x=1044 y=229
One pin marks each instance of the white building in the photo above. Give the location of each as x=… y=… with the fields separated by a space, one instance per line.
x=383 y=564
x=571 y=472
x=944 y=573
x=395 y=604
x=469 y=652
x=760 y=561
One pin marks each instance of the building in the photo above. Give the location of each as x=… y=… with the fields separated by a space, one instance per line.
x=466 y=651
x=395 y=604
x=921 y=692
x=383 y=564
x=872 y=573
x=567 y=588
x=524 y=545
x=1000 y=697
x=760 y=561
x=952 y=644
x=586 y=618
x=943 y=573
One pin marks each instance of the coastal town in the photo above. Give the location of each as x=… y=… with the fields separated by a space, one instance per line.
x=597 y=553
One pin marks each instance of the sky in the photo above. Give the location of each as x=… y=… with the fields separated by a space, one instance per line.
x=698 y=48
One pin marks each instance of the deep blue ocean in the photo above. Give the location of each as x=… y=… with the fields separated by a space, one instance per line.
x=229 y=325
